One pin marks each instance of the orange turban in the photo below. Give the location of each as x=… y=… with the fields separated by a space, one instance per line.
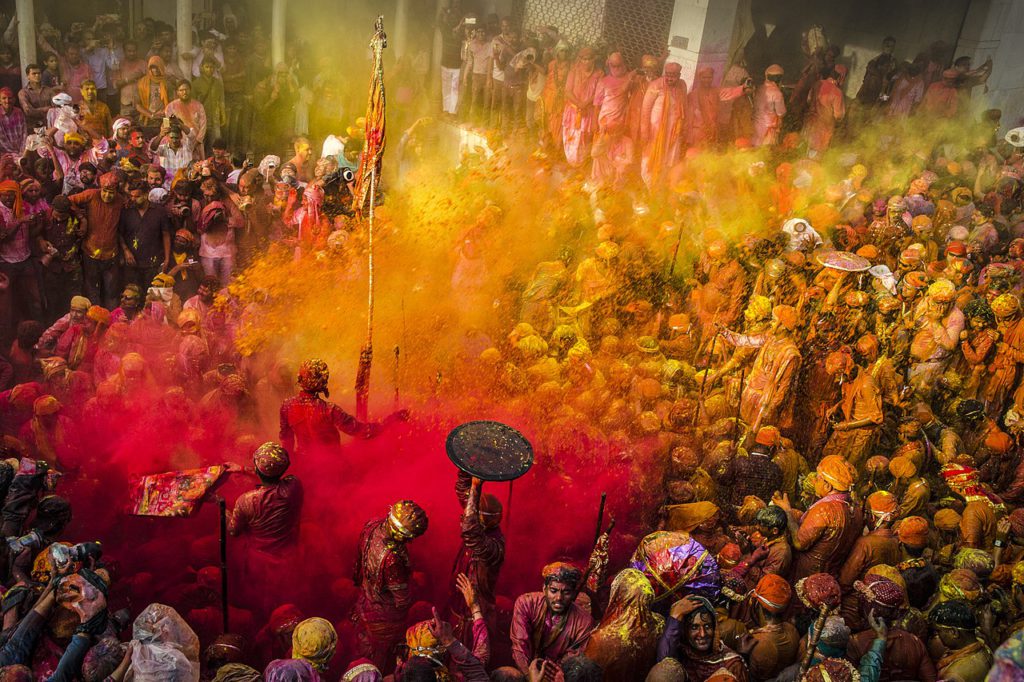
x=882 y=503
x=45 y=405
x=786 y=315
x=768 y=435
x=773 y=593
x=421 y=640
x=877 y=464
x=836 y=471
x=902 y=467
x=686 y=517
x=946 y=519
x=913 y=531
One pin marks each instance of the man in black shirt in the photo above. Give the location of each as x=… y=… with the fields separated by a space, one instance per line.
x=145 y=232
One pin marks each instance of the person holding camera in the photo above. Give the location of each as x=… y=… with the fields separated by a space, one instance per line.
x=172 y=146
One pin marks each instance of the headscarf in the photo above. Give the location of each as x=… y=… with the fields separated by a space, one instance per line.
x=147 y=82
x=667 y=670
x=237 y=672
x=832 y=670
x=686 y=517
x=13 y=186
x=290 y=670
x=629 y=629
x=315 y=640
x=167 y=649
x=978 y=561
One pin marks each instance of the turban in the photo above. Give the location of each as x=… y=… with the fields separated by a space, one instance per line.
x=237 y=672
x=881 y=591
x=1017 y=522
x=946 y=519
x=882 y=503
x=607 y=250
x=667 y=670
x=189 y=321
x=686 y=517
x=80 y=303
x=888 y=572
x=290 y=670
x=773 y=593
x=768 y=435
x=913 y=531
x=313 y=376
x=109 y=180
x=421 y=641
x=562 y=572
x=868 y=251
x=877 y=464
x=818 y=589
x=28 y=183
x=910 y=256
x=24 y=394
x=942 y=290
x=836 y=471
x=74 y=137
x=362 y=670
x=832 y=670
x=747 y=512
x=61 y=99
x=977 y=561
x=729 y=556
x=774 y=70
x=786 y=315
x=120 y=123
x=51 y=366
x=902 y=467
x=98 y=314
x=1005 y=305
x=955 y=613
x=45 y=405
x=271 y=460
x=916 y=279
x=284 y=618
x=407 y=519
x=956 y=247
x=758 y=308
x=1018 y=573
x=960 y=583
x=314 y=640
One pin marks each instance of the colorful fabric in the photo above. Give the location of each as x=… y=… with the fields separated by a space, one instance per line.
x=315 y=640
x=676 y=564
x=175 y=493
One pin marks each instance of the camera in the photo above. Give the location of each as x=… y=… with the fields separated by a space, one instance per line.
x=347 y=175
x=63 y=556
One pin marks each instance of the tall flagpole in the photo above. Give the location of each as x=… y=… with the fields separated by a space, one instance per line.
x=366 y=190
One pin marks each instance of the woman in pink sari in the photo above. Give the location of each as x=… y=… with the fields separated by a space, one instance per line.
x=579 y=114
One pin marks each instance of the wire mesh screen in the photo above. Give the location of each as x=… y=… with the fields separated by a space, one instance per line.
x=578 y=20
x=637 y=27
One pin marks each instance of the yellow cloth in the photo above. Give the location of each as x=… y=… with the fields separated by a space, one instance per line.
x=314 y=640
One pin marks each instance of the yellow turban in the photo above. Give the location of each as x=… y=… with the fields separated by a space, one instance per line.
x=314 y=640
x=902 y=467
x=686 y=517
x=946 y=519
x=45 y=405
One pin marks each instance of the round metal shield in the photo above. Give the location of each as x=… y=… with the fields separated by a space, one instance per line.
x=489 y=450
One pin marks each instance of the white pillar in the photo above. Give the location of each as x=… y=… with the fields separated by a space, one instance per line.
x=26 y=33
x=401 y=39
x=277 y=22
x=184 y=26
x=702 y=34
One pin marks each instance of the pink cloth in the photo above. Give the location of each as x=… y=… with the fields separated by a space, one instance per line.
x=769 y=108
x=661 y=129
x=828 y=106
x=906 y=94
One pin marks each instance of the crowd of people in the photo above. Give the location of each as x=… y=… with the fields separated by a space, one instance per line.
x=795 y=356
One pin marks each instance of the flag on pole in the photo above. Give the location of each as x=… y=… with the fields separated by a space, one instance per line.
x=175 y=493
x=373 y=151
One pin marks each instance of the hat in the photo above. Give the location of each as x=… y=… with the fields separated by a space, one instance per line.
x=882 y=503
x=1006 y=305
x=61 y=99
x=74 y=136
x=271 y=460
x=916 y=279
x=773 y=593
x=313 y=376
x=80 y=303
x=407 y=519
x=913 y=531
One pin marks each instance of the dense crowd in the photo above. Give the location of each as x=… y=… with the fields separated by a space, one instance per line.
x=813 y=432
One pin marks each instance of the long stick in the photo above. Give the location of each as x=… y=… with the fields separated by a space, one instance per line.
x=600 y=517
x=222 y=504
x=736 y=418
x=704 y=379
x=812 y=643
x=363 y=393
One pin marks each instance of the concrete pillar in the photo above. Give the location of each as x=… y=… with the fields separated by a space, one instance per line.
x=995 y=28
x=701 y=35
x=26 y=33
x=400 y=42
x=183 y=20
x=277 y=33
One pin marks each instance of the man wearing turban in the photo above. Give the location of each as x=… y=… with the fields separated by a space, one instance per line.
x=918 y=572
x=310 y=422
x=768 y=395
x=823 y=535
x=967 y=656
x=550 y=624
x=878 y=546
x=938 y=323
x=913 y=490
x=1003 y=371
x=858 y=414
x=777 y=641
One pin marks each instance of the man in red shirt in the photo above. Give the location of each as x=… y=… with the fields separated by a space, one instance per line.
x=100 y=272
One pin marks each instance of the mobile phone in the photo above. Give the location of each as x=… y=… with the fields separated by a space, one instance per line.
x=470 y=21
x=167 y=122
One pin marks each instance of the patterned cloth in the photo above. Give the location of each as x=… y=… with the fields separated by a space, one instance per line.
x=175 y=493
